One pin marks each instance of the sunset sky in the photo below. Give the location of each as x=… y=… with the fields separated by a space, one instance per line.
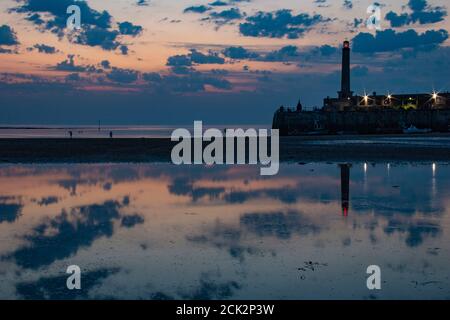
x=223 y=62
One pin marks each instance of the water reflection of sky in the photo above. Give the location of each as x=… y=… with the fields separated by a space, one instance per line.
x=162 y=232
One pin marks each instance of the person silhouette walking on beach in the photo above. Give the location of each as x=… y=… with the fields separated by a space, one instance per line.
x=70 y=133
x=110 y=134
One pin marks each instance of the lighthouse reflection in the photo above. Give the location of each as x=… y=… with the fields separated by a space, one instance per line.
x=345 y=188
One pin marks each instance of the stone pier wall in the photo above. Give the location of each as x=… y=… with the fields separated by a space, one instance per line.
x=370 y=121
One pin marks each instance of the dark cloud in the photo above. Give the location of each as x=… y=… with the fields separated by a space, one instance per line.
x=210 y=58
x=327 y=50
x=124 y=50
x=35 y=18
x=152 y=77
x=7 y=51
x=184 y=187
x=357 y=22
x=65 y=234
x=96 y=36
x=219 y=17
x=73 y=77
x=127 y=28
x=179 y=60
x=431 y=65
x=278 y=224
x=49 y=200
x=224 y=237
x=421 y=12
x=10 y=212
x=185 y=79
x=397 y=20
x=415 y=231
x=7 y=36
x=212 y=289
x=322 y=3
x=142 y=3
x=72 y=184
x=348 y=4
x=226 y=16
x=218 y=3
x=220 y=72
x=195 y=57
x=286 y=53
x=182 y=70
x=131 y=221
x=57 y=11
x=54 y=288
x=42 y=48
x=122 y=75
x=69 y=65
x=107 y=186
x=282 y=225
x=279 y=24
x=239 y=53
x=390 y=40
x=197 y=9
x=96 y=30
x=283 y=54
x=106 y=64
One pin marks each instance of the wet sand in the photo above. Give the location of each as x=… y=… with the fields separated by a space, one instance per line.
x=292 y=149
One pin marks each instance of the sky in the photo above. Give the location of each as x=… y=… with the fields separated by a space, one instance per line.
x=166 y=62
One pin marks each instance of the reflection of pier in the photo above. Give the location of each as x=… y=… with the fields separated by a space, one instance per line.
x=345 y=188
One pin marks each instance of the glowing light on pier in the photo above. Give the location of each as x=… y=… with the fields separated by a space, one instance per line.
x=366 y=99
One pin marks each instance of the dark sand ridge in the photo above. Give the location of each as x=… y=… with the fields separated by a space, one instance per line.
x=292 y=149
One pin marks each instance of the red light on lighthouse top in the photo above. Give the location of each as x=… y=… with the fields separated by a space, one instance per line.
x=346 y=44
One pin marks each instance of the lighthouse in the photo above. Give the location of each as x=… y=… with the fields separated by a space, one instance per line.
x=345 y=92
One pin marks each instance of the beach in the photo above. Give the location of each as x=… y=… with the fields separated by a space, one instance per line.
x=401 y=148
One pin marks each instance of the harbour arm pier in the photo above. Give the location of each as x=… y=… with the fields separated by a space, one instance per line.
x=367 y=114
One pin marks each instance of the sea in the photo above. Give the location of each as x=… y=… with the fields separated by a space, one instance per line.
x=160 y=231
